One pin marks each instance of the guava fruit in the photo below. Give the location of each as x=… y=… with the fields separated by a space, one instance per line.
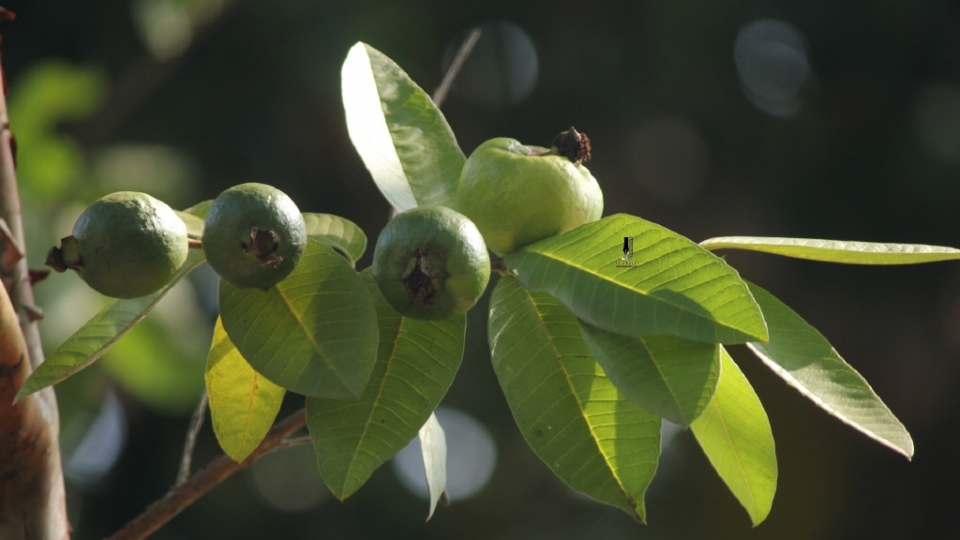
x=431 y=262
x=518 y=194
x=253 y=235
x=125 y=245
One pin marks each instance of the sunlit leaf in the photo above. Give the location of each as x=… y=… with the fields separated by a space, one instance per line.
x=836 y=251
x=416 y=363
x=670 y=377
x=669 y=286
x=243 y=403
x=735 y=434
x=433 y=444
x=344 y=235
x=97 y=335
x=314 y=333
x=570 y=414
x=799 y=354
x=400 y=134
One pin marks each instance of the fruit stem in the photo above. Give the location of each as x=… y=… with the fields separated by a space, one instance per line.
x=194 y=243
x=499 y=265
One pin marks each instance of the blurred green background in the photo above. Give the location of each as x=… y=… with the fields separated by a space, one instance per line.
x=782 y=118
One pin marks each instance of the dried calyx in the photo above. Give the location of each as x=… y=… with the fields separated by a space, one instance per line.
x=573 y=145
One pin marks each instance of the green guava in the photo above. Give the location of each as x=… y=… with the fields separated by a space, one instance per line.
x=431 y=262
x=125 y=245
x=518 y=194
x=253 y=235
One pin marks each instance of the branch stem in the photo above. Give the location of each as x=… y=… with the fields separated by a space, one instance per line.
x=440 y=95
x=221 y=468
x=191 y=440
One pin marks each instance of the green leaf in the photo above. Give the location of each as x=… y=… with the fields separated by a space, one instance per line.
x=401 y=136
x=433 y=445
x=193 y=223
x=243 y=403
x=665 y=375
x=416 y=363
x=570 y=414
x=735 y=434
x=93 y=339
x=200 y=209
x=193 y=217
x=342 y=234
x=314 y=333
x=800 y=355
x=836 y=251
x=670 y=285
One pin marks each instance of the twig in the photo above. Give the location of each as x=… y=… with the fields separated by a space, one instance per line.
x=294 y=441
x=195 y=423
x=203 y=481
x=440 y=95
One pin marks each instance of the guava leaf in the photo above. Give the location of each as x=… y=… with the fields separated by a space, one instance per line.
x=200 y=209
x=401 y=136
x=344 y=235
x=669 y=285
x=243 y=403
x=666 y=376
x=570 y=414
x=93 y=339
x=800 y=355
x=836 y=251
x=416 y=363
x=433 y=445
x=194 y=224
x=735 y=434
x=314 y=333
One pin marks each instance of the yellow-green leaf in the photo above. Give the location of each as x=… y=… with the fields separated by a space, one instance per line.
x=735 y=434
x=243 y=403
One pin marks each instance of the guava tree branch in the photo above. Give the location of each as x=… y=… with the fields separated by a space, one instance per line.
x=204 y=480
x=32 y=500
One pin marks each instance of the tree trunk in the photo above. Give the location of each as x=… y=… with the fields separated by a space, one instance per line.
x=32 y=499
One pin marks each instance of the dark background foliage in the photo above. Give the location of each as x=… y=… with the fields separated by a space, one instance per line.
x=811 y=119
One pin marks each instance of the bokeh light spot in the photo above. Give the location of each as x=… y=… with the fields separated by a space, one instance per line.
x=288 y=480
x=502 y=69
x=772 y=64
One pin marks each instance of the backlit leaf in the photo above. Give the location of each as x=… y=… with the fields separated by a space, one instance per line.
x=800 y=355
x=735 y=434
x=314 y=333
x=243 y=403
x=416 y=363
x=433 y=444
x=570 y=414
x=836 y=251
x=93 y=339
x=669 y=285
x=670 y=377
x=401 y=136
